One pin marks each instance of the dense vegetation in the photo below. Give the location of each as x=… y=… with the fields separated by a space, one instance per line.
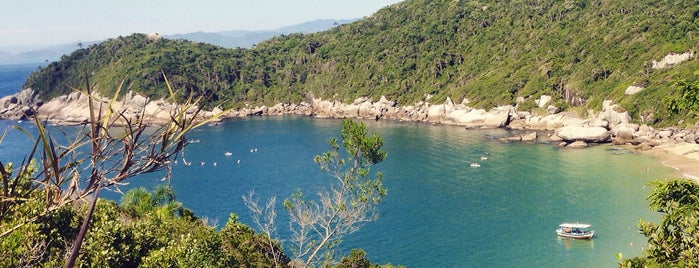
x=674 y=242
x=580 y=52
x=147 y=229
x=154 y=230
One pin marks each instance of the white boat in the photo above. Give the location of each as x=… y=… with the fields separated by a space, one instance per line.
x=475 y=165
x=575 y=230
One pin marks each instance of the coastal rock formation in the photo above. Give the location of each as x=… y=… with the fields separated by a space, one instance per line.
x=529 y=137
x=498 y=117
x=549 y=122
x=611 y=115
x=624 y=133
x=581 y=133
x=19 y=106
x=74 y=109
x=609 y=125
x=462 y=115
x=577 y=145
x=436 y=113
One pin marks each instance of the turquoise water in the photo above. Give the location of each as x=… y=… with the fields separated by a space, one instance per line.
x=440 y=212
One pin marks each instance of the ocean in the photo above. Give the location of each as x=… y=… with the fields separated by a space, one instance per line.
x=13 y=76
x=440 y=211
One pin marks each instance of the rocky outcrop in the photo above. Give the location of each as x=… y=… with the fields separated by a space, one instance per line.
x=549 y=122
x=542 y=101
x=672 y=59
x=19 y=106
x=529 y=137
x=74 y=108
x=447 y=113
x=633 y=90
x=572 y=131
x=581 y=133
x=577 y=145
x=611 y=115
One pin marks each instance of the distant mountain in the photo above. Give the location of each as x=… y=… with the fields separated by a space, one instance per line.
x=246 y=39
x=228 y=39
x=48 y=54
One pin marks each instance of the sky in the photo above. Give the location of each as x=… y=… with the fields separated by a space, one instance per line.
x=41 y=23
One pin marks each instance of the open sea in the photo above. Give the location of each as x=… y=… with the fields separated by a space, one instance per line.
x=439 y=212
x=13 y=76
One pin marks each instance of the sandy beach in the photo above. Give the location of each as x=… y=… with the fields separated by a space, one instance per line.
x=683 y=157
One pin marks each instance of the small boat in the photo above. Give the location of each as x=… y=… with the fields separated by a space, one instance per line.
x=483 y=157
x=475 y=165
x=228 y=154
x=575 y=230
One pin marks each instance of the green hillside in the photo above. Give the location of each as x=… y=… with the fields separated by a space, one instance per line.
x=580 y=52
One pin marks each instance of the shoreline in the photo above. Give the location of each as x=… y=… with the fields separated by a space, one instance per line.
x=680 y=156
x=683 y=157
x=673 y=147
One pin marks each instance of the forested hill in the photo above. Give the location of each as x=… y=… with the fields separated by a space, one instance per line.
x=580 y=52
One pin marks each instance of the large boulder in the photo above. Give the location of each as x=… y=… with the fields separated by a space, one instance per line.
x=580 y=133
x=138 y=101
x=20 y=105
x=384 y=103
x=437 y=113
x=542 y=101
x=464 y=117
x=529 y=137
x=633 y=90
x=577 y=145
x=367 y=110
x=610 y=114
x=517 y=124
x=623 y=133
x=498 y=117
x=552 y=122
x=351 y=110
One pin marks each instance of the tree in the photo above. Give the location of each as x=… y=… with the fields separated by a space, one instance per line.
x=118 y=148
x=688 y=100
x=350 y=201
x=675 y=241
x=356 y=259
x=318 y=226
x=139 y=202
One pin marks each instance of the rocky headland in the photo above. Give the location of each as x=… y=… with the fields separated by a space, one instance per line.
x=676 y=147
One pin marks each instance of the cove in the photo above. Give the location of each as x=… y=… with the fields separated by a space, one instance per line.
x=439 y=212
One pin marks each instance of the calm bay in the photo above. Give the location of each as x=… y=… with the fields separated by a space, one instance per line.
x=440 y=212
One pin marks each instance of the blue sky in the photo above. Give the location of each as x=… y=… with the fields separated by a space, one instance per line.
x=31 y=23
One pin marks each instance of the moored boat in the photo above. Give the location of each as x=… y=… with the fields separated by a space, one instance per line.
x=575 y=230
